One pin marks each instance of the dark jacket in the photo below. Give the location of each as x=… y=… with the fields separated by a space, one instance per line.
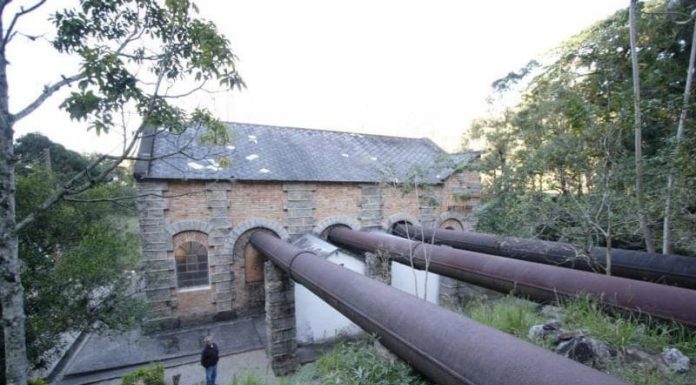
x=209 y=356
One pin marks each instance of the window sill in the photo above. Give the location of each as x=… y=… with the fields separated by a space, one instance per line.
x=193 y=288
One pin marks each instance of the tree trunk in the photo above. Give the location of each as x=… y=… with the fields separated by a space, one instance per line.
x=11 y=290
x=638 y=122
x=666 y=226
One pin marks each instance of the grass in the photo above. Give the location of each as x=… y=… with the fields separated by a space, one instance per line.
x=516 y=316
x=248 y=379
x=626 y=331
x=355 y=363
x=348 y=363
x=509 y=314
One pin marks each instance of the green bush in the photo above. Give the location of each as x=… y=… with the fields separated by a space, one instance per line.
x=149 y=375
x=360 y=363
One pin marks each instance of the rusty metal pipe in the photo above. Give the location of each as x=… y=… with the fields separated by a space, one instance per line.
x=537 y=281
x=673 y=270
x=444 y=346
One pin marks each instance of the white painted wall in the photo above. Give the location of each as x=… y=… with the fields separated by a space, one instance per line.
x=403 y=279
x=315 y=320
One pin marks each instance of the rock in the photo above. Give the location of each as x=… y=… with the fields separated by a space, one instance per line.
x=584 y=349
x=602 y=350
x=566 y=336
x=577 y=349
x=675 y=360
x=536 y=332
x=635 y=355
x=551 y=328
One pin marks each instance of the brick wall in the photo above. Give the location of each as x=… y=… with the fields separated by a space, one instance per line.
x=225 y=211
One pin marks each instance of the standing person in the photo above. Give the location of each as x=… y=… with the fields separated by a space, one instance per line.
x=209 y=360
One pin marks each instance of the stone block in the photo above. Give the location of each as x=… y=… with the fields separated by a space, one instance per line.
x=301 y=213
x=300 y=204
x=299 y=195
x=299 y=187
x=158 y=295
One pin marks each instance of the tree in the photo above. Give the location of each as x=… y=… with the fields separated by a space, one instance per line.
x=638 y=132
x=561 y=164
x=79 y=257
x=131 y=52
x=667 y=222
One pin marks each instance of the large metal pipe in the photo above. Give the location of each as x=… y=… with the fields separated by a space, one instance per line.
x=446 y=347
x=537 y=281
x=674 y=270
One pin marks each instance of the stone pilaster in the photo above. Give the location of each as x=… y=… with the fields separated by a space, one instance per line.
x=371 y=214
x=449 y=292
x=217 y=196
x=378 y=266
x=299 y=207
x=280 y=320
x=159 y=269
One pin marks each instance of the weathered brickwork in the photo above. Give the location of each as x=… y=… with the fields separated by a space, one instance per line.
x=256 y=200
x=337 y=199
x=186 y=201
x=462 y=192
x=396 y=202
x=225 y=213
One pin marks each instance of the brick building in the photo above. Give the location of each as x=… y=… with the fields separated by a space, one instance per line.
x=197 y=211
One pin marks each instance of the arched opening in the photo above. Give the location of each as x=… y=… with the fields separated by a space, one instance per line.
x=401 y=222
x=249 y=282
x=452 y=224
x=191 y=265
x=325 y=233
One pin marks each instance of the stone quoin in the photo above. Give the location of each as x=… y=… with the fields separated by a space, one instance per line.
x=199 y=203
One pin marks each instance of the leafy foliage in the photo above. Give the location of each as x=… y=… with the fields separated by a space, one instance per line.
x=360 y=363
x=150 y=375
x=132 y=53
x=559 y=164
x=79 y=258
x=104 y=34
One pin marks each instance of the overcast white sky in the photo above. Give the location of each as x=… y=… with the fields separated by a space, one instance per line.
x=392 y=67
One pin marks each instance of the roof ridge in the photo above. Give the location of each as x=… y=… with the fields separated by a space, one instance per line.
x=337 y=132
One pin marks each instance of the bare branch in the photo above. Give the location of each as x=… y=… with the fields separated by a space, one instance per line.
x=22 y=12
x=68 y=188
x=190 y=92
x=47 y=92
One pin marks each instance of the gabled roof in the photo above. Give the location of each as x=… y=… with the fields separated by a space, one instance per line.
x=269 y=153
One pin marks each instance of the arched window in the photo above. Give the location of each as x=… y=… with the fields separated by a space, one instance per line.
x=191 y=264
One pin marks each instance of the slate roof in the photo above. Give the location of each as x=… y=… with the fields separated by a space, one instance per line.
x=270 y=153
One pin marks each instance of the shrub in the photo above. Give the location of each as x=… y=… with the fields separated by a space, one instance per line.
x=149 y=375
